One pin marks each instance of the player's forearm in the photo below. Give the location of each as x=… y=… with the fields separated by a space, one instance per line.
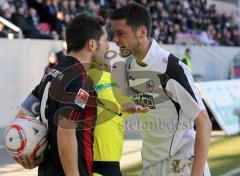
x=67 y=149
x=203 y=133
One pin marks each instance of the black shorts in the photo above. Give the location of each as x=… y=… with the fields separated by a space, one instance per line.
x=107 y=168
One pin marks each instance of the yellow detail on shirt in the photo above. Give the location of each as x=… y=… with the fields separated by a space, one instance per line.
x=95 y=174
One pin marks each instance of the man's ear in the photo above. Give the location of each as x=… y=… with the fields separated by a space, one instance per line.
x=92 y=45
x=142 y=31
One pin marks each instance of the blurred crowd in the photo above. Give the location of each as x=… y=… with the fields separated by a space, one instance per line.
x=174 y=21
x=191 y=19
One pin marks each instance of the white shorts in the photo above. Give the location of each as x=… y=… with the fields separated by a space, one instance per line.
x=170 y=167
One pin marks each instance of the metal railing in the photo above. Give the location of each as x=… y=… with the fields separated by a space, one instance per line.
x=12 y=27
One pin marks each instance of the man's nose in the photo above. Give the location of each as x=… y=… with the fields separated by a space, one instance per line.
x=115 y=38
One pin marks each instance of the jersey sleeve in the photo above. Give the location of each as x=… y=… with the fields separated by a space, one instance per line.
x=110 y=97
x=36 y=92
x=31 y=105
x=74 y=99
x=181 y=88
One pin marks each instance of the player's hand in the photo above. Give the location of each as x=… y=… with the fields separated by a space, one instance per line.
x=133 y=108
x=28 y=162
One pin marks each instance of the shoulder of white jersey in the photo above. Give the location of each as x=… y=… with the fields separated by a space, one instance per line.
x=156 y=50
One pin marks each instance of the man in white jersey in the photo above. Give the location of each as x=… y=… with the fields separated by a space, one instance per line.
x=159 y=80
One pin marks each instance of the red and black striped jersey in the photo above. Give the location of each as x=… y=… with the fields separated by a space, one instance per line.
x=67 y=92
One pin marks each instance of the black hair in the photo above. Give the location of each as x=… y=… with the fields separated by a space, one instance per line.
x=135 y=14
x=81 y=29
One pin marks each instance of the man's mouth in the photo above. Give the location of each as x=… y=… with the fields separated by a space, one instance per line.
x=125 y=52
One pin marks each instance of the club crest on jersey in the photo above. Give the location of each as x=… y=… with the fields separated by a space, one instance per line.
x=81 y=98
x=150 y=85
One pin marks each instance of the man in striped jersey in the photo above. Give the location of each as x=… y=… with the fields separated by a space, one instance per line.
x=68 y=105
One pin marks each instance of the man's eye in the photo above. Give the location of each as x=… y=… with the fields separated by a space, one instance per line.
x=120 y=34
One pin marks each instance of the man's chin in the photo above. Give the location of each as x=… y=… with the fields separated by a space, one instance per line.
x=125 y=53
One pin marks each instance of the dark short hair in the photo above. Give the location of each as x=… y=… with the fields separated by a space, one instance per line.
x=135 y=14
x=81 y=29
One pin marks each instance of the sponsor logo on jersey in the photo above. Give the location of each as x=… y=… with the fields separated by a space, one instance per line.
x=81 y=98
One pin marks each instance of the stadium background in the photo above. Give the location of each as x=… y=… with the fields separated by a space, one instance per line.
x=211 y=32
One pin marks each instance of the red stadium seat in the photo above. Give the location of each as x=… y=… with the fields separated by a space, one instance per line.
x=45 y=27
